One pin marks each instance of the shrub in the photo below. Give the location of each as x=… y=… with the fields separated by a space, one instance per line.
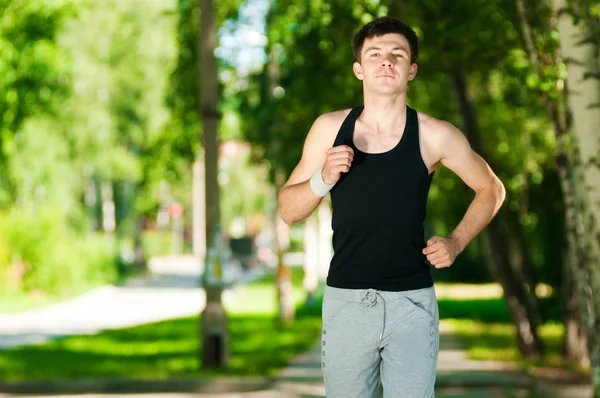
x=39 y=251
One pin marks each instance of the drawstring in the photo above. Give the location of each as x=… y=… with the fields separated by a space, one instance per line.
x=372 y=297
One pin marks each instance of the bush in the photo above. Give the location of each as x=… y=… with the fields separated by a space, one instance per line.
x=38 y=251
x=157 y=243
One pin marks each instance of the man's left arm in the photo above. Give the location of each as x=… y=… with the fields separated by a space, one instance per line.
x=455 y=153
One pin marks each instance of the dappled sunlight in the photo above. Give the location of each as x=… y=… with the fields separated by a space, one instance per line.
x=466 y=291
x=496 y=341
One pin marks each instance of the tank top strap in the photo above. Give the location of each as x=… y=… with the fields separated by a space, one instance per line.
x=412 y=127
x=346 y=131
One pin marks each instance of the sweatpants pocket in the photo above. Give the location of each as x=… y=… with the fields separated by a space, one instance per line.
x=424 y=301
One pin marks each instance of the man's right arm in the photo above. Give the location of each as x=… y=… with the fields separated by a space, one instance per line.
x=296 y=199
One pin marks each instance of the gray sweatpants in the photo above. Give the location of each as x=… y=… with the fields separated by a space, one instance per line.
x=368 y=334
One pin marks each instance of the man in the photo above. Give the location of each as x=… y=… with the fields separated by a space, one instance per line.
x=380 y=314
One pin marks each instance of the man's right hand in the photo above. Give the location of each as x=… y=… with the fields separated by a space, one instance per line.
x=338 y=161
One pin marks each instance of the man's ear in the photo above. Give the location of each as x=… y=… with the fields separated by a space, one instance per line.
x=412 y=71
x=357 y=68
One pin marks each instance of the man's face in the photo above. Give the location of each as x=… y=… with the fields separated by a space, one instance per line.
x=385 y=66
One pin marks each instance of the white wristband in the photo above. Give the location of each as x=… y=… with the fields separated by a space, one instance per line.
x=318 y=186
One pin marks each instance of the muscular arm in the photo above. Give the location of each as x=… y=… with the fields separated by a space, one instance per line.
x=456 y=154
x=296 y=200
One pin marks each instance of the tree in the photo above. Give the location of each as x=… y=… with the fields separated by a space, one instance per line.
x=542 y=58
x=579 y=50
x=34 y=80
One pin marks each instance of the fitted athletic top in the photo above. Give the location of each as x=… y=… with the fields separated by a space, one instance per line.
x=378 y=214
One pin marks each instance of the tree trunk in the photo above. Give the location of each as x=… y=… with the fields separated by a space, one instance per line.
x=199 y=209
x=140 y=260
x=285 y=293
x=525 y=270
x=574 y=344
x=579 y=50
x=214 y=324
x=91 y=195
x=572 y=294
x=109 y=221
x=520 y=303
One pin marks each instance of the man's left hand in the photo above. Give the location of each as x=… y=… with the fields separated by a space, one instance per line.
x=440 y=252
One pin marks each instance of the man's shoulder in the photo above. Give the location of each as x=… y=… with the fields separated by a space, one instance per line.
x=431 y=125
x=333 y=118
x=436 y=130
x=328 y=124
x=440 y=136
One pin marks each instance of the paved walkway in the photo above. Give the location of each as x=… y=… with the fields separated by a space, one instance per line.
x=171 y=291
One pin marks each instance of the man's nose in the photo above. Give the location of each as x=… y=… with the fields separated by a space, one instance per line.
x=387 y=61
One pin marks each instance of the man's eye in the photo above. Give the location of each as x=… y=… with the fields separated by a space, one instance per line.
x=375 y=55
x=399 y=55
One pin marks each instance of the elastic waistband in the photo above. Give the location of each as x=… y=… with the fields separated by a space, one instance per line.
x=356 y=295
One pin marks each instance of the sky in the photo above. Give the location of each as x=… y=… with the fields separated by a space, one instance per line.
x=242 y=42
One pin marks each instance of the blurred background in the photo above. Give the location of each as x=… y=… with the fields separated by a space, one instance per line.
x=143 y=144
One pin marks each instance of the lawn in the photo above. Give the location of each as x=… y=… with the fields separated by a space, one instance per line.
x=259 y=346
x=478 y=315
x=497 y=342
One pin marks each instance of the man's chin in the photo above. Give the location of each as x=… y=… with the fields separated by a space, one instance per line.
x=387 y=90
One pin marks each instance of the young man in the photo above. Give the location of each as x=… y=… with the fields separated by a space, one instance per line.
x=380 y=314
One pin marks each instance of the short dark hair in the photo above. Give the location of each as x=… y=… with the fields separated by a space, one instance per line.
x=380 y=27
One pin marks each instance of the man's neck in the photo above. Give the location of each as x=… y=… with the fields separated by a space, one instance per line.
x=384 y=114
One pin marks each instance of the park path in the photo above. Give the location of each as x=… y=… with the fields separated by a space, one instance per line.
x=171 y=290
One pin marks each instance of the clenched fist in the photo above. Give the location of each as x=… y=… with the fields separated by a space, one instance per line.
x=338 y=161
x=441 y=252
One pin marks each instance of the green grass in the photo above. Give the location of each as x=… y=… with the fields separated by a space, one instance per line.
x=159 y=350
x=491 y=310
x=497 y=341
x=259 y=345
x=259 y=297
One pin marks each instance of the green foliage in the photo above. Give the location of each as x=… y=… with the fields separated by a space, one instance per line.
x=182 y=97
x=33 y=73
x=38 y=252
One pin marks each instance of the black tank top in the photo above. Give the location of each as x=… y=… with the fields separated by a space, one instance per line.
x=378 y=214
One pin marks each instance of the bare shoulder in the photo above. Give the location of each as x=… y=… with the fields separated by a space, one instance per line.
x=329 y=123
x=439 y=136
x=436 y=131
